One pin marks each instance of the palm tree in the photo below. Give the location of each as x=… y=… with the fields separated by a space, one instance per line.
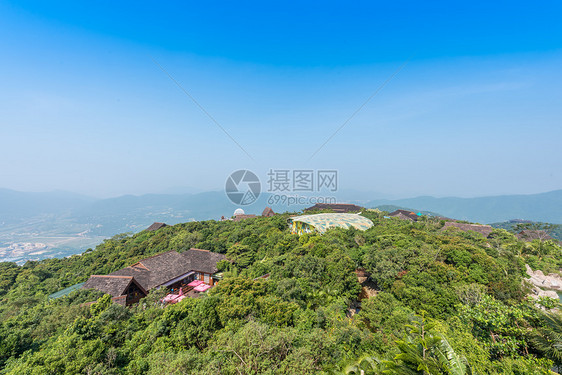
x=423 y=351
x=548 y=338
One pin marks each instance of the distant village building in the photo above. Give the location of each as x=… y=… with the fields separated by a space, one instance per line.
x=405 y=215
x=319 y=223
x=484 y=230
x=529 y=235
x=240 y=215
x=170 y=269
x=268 y=212
x=156 y=226
x=336 y=207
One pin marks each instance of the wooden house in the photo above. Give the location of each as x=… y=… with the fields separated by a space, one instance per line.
x=125 y=290
x=170 y=269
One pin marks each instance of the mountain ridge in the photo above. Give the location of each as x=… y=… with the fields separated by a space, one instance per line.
x=545 y=207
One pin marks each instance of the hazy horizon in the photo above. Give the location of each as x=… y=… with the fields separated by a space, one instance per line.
x=367 y=195
x=473 y=112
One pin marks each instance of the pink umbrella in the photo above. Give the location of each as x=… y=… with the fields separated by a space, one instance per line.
x=201 y=288
x=195 y=283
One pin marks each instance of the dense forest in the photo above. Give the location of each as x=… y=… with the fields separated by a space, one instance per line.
x=435 y=302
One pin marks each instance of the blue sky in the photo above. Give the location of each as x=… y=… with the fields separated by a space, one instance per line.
x=475 y=111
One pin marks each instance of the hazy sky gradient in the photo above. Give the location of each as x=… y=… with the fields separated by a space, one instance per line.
x=476 y=111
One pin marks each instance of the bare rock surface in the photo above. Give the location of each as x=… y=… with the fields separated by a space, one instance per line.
x=541 y=281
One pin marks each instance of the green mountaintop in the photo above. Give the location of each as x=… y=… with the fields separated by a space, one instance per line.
x=399 y=298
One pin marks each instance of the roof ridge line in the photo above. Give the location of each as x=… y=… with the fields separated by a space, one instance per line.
x=113 y=276
x=139 y=265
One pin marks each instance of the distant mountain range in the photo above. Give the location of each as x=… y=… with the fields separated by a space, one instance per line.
x=130 y=211
x=545 y=207
x=65 y=223
x=105 y=217
x=17 y=204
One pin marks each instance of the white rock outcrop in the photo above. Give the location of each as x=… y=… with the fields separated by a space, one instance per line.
x=541 y=281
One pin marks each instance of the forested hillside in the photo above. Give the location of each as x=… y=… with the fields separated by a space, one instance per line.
x=446 y=302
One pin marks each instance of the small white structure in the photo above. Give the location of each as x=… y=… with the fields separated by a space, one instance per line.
x=238 y=211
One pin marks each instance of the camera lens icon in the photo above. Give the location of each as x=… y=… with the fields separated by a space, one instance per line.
x=243 y=187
